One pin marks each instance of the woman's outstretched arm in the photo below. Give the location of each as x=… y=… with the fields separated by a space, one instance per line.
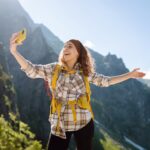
x=120 y=78
x=105 y=81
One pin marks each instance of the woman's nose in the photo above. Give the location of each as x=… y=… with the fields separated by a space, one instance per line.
x=66 y=50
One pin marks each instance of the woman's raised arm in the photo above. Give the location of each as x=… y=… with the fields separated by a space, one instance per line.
x=32 y=70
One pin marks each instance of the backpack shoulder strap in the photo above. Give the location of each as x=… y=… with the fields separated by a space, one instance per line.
x=87 y=85
x=55 y=75
x=54 y=79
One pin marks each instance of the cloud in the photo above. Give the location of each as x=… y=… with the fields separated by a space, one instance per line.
x=89 y=44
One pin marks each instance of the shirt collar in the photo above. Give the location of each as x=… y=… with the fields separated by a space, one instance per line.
x=77 y=67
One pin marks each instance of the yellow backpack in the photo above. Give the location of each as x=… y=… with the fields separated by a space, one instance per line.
x=82 y=101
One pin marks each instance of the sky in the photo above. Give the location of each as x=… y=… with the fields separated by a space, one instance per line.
x=121 y=27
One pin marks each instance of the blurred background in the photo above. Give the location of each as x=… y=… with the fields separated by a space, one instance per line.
x=117 y=33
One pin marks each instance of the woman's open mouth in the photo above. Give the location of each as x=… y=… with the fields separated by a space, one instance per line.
x=66 y=54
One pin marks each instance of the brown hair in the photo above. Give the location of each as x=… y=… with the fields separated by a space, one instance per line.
x=85 y=59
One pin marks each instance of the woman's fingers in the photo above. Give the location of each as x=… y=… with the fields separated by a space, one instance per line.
x=12 y=41
x=141 y=74
x=14 y=35
x=136 y=74
x=135 y=69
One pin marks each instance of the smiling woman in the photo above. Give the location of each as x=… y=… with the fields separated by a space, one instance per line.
x=69 y=79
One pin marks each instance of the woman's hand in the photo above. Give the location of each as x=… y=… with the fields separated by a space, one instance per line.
x=13 y=44
x=136 y=74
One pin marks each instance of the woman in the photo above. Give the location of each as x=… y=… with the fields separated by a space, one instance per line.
x=75 y=63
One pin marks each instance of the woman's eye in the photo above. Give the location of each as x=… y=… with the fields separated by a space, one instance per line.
x=69 y=46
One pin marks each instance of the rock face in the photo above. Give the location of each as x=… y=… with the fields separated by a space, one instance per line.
x=145 y=81
x=123 y=109
x=7 y=92
x=11 y=127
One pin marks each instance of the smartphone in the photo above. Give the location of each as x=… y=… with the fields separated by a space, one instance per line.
x=21 y=36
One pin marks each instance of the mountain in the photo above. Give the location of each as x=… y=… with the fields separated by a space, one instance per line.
x=145 y=81
x=122 y=110
x=7 y=92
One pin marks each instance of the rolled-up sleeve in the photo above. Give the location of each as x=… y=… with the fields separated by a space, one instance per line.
x=99 y=79
x=38 y=70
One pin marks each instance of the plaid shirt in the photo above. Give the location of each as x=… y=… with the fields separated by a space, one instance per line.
x=68 y=87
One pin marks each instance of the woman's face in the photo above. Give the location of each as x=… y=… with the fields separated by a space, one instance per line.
x=69 y=52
